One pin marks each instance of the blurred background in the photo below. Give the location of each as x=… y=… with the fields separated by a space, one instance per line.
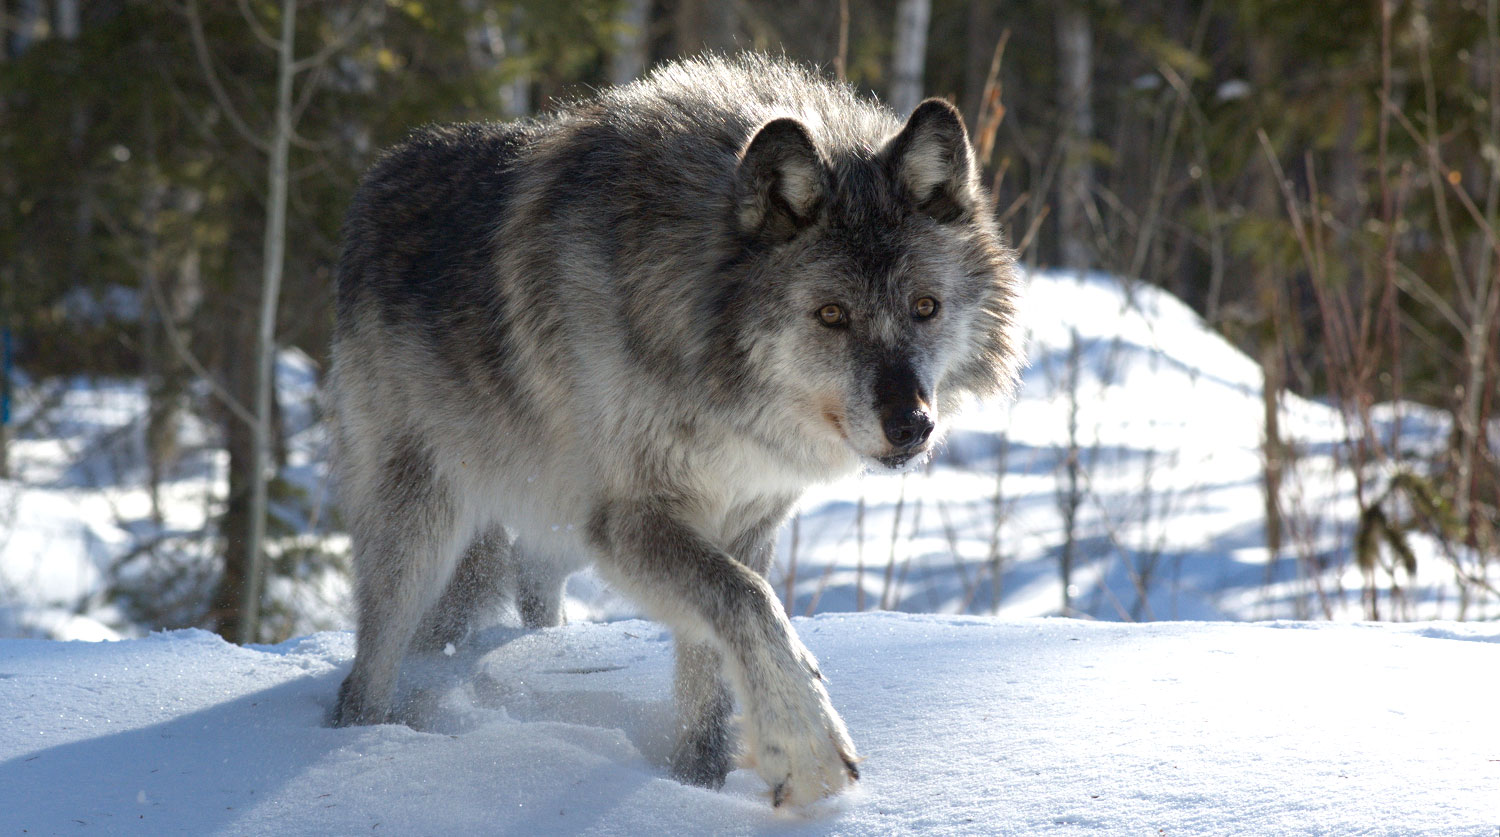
x=1262 y=240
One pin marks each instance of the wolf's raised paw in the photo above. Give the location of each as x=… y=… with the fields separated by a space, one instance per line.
x=804 y=755
x=791 y=793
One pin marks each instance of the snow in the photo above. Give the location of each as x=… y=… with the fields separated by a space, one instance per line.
x=966 y=724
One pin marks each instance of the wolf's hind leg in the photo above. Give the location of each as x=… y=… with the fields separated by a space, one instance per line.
x=704 y=752
x=480 y=584
x=406 y=544
x=540 y=580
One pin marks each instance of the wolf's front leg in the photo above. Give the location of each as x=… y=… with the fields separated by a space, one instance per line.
x=794 y=738
x=705 y=748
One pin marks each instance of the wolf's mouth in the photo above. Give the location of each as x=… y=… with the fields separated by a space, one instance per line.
x=898 y=461
x=837 y=421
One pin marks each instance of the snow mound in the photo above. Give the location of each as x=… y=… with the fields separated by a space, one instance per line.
x=967 y=725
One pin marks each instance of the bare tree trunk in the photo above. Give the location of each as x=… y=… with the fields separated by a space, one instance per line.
x=1070 y=499
x=515 y=94
x=170 y=284
x=161 y=410
x=226 y=610
x=230 y=315
x=979 y=47
x=1075 y=177
x=265 y=347
x=629 y=59
x=1273 y=449
x=1263 y=191
x=25 y=25
x=168 y=374
x=912 y=19
x=1481 y=309
x=67 y=18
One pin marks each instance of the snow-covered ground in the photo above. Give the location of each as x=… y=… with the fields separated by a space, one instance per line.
x=968 y=725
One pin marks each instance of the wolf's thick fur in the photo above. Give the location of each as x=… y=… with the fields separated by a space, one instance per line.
x=633 y=333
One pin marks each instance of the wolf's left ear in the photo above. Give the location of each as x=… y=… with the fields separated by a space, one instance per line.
x=932 y=161
x=781 y=182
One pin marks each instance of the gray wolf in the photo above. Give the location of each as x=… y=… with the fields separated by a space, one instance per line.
x=632 y=333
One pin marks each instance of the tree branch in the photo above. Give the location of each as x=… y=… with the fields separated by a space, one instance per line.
x=255 y=28
x=200 y=47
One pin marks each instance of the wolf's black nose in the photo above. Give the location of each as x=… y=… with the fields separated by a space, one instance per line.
x=908 y=428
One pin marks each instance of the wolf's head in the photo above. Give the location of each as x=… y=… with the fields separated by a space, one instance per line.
x=884 y=289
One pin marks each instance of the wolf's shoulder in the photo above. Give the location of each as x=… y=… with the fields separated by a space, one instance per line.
x=419 y=228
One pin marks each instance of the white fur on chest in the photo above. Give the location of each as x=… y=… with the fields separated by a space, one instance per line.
x=738 y=473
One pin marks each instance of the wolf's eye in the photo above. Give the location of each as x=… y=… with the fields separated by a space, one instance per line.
x=832 y=315
x=924 y=308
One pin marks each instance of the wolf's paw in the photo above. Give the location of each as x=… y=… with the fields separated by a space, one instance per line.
x=802 y=749
x=354 y=708
x=703 y=758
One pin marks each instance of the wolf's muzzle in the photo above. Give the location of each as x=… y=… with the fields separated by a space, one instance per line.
x=901 y=402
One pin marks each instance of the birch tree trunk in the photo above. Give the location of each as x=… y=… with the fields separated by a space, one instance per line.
x=24 y=25
x=67 y=19
x=1481 y=310
x=515 y=94
x=275 y=250
x=1075 y=176
x=629 y=59
x=912 y=19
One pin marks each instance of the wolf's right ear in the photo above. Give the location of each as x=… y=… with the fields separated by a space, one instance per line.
x=781 y=183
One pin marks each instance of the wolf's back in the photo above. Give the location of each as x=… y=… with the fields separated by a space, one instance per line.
x=419 y=231
x=654 y=159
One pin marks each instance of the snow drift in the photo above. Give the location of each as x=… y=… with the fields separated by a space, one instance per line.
x=968 y=725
